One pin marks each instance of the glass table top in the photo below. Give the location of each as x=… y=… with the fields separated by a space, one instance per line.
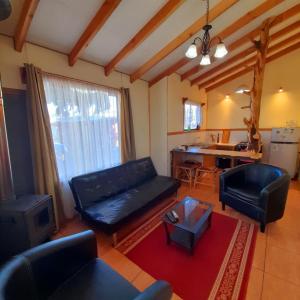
x=191 y=213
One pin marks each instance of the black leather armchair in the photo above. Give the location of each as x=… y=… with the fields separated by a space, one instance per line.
x=257 y=190
x=68 y=268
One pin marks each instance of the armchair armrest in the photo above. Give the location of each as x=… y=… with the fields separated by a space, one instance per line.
x=54 y=262
x=160 y=290
x=273 y=197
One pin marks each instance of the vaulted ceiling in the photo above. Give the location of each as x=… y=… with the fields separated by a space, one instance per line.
x=147 y=39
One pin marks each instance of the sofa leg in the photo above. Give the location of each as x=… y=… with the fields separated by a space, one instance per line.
x=262 y=227
x=223 y=206
x=114 y=239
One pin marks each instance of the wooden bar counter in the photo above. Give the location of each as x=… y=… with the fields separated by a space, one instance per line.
x=179 y=156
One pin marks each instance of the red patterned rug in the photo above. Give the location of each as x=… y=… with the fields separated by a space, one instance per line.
x=219 y=268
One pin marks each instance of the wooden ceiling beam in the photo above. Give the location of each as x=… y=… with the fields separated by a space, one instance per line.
x=151 y=25
x=236 y=25
x=180 y=63
x=27 y=13
x=249 y=36
x=251 y=61
x=105 y=11
x=216 y=11
x=244 y=53
x=244 y=64
x=250 y=68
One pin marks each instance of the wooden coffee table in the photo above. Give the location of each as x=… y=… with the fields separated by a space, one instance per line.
x=194 y=219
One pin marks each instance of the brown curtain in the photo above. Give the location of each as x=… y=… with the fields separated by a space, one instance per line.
x=127 y=132
x=43 y=154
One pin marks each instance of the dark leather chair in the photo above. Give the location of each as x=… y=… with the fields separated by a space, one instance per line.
x=257 y=190
x=68 y=268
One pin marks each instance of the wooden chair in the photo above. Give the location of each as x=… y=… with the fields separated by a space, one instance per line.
x=201 y=172
x=185 y=172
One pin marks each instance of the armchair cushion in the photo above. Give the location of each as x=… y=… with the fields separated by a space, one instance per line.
x=94 y=281
x=249 y=192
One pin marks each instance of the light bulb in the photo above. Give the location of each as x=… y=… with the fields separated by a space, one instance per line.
x=242 y=89
x=221 y=50
x=191 y=51
x=205 y=60
x=280 y=90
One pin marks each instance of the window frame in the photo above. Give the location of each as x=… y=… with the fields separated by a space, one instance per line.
x=196 y=103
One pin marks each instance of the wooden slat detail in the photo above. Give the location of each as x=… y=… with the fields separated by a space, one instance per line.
x=244 y=53
x=253 y=34
x=244 y=64
x=183 y=37
x=180 y=63
x=250 y=36
x=154 y=23
x=269 y=59
x=225 y=64
x=271 y=50
x=190 y=72
x=27 y=13
x=229 y=78
x=92 y=29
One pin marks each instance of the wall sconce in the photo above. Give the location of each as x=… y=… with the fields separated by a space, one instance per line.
x=280 y=90
x=227 y=97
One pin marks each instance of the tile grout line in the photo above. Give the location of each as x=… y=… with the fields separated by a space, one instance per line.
x=264 y=270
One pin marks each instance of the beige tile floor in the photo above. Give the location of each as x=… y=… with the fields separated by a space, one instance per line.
x=275 y=272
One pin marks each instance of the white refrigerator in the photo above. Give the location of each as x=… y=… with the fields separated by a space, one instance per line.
x=285 y=148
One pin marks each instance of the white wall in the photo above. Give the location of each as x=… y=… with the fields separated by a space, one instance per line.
x=57 y=63
x=166 y=115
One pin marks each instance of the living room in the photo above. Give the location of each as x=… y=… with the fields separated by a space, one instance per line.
x=128 y=137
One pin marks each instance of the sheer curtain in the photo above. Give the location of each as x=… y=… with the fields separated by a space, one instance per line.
x=85 y=124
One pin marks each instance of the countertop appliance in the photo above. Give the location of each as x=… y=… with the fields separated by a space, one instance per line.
x=284 y=149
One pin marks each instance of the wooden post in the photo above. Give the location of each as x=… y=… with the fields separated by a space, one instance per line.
x=254 y=136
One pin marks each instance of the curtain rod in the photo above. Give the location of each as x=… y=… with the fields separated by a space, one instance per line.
x=80 y=80
x=23 y=75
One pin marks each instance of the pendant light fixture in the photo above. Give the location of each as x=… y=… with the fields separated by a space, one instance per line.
x=192 y=51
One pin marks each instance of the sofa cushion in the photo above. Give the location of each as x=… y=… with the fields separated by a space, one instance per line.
x=96 y=280
x=120 y=206
x=248 y=192
x=98 y=186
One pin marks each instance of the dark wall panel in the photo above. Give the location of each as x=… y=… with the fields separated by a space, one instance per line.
x=18 y=140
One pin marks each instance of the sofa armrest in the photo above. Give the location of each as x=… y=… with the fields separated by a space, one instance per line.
x=160 y=290
x=273 y=197
x=54 y=262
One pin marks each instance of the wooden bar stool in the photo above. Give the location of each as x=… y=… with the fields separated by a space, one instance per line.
x=201 y=172
x=185 y=172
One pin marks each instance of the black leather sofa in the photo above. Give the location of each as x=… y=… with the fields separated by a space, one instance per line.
x=68 y=269
x=257 y=190
x=111 y=197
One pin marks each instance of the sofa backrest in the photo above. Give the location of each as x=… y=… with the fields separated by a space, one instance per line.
x=97 y=186
x=262 y=174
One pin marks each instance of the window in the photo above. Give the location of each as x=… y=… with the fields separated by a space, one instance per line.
x=85 y=123
x=192 y=115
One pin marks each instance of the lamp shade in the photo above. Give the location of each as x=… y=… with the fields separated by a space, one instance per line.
x=241 y=89
x=221 y=50
x=205 y=60
x=191 y=52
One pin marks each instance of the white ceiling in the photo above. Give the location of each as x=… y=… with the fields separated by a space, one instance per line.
x=57 y=24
